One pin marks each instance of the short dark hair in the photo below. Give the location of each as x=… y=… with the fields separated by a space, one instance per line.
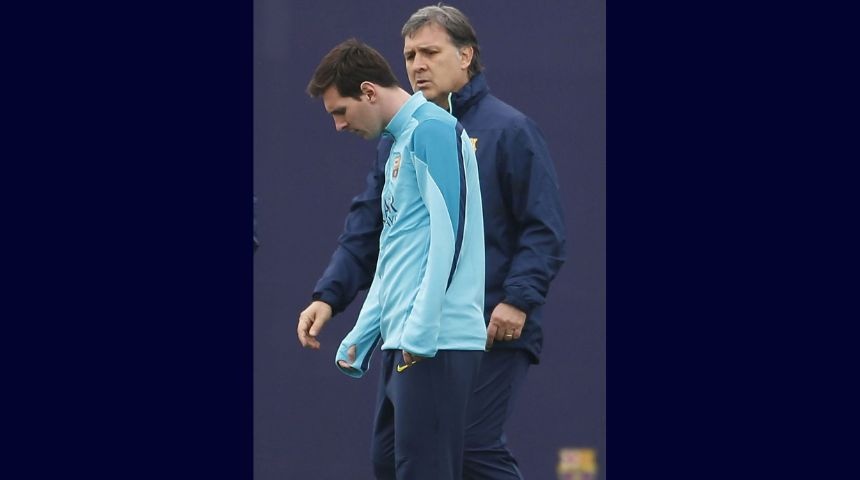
x=454 y=22
x=346 y=66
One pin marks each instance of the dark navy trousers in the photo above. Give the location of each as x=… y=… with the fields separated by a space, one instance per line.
x=500 y=378
x=420 y=424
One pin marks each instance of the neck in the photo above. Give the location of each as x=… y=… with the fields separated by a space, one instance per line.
x=393 y=100
x=442 y=100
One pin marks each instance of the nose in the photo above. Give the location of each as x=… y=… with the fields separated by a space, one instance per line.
x=339 y=125
x=418 y=64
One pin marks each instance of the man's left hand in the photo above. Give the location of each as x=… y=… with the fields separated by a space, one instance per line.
x=506 y=324
x=410 y=359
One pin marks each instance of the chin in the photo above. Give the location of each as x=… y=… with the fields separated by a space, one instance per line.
x=428 y=94
x=432 y=96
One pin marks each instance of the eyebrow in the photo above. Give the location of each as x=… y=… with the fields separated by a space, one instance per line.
x=422 y=48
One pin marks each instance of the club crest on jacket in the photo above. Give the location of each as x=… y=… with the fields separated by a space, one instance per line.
x=396 y=169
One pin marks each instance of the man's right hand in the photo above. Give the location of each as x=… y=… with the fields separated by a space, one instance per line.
x=350 y=355
x=311 y=321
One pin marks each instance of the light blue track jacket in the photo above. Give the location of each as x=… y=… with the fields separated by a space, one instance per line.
x=428 y=290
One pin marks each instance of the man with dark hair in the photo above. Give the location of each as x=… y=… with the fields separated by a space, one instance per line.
x=524 y=229
x=426 y=298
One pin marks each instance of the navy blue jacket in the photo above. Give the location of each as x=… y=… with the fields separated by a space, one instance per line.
x=523 y=222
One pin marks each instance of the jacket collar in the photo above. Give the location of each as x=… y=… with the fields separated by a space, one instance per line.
x=398 y=124
x=468 y=95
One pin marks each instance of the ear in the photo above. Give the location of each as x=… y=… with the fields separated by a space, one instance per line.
x=466 y=54
x=368 y=91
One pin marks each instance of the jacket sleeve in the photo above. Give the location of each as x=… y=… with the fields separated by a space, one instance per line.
x=535 y=204
x=364 y=335
x=437 y=168
x=353 y=263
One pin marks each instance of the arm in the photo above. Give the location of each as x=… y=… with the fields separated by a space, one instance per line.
x=353 y=263
x=353 y=355
x=533 y=196
x=437 y=167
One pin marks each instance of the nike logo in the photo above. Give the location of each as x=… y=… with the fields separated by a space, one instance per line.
x=400 y=368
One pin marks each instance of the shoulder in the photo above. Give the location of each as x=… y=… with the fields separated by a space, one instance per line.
x=433 y=122
x=433 y=138
x=430 y=112
x=494 y=113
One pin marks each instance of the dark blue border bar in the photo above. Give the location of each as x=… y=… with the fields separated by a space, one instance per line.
x=133 y=339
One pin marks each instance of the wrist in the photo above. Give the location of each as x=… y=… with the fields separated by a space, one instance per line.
x=517 y=303
x=321 y=297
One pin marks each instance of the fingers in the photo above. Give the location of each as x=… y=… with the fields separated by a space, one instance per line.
x=303 y=331
x=350 y=355
x=497 y=333
x=322 y=314
x=506 y=324
x=344 y=365
x=409 y=359
x=511 y=335
x=501 y=333
x=311 y=322
x=492 y=328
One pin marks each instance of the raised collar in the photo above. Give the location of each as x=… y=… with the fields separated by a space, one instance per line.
x=398 y=124
x=469 y=94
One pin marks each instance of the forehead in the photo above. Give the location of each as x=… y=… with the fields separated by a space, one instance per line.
x=431 y=34
x=333 y=101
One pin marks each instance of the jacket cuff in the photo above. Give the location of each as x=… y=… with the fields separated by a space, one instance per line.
x=356 y=371
x=328 y=298
x=517 y=297
x=416 y=350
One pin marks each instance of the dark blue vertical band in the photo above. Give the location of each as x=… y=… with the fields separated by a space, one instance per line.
x=458 y=241
x=365 y=362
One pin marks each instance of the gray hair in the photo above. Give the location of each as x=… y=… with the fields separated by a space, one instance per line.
x=454 y=22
